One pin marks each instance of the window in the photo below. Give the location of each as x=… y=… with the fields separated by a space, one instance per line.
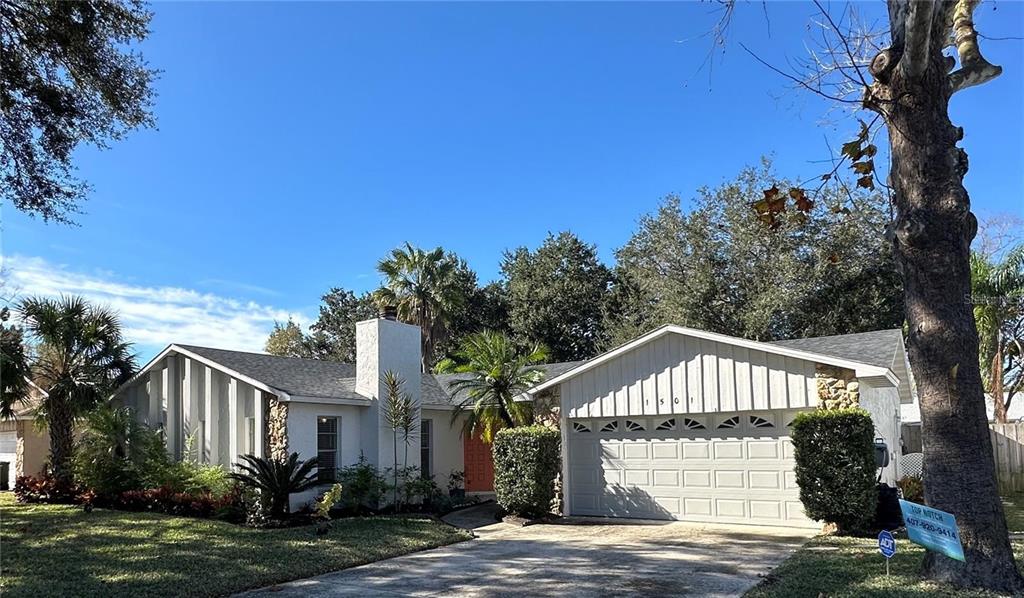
x=426 y=449
x=668 y=424
x=580 y=427
x=611 y=426
x=326 y=448
x=692 y=424
x=634 y=426
x=760 y=422
x=732 y=422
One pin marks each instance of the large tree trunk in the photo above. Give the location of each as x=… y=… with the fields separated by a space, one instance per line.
x=933 y=231
x=61 y=427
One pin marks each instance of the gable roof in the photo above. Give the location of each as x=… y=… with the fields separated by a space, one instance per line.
x=294 y=375
x=879 y=348
x=861 y=367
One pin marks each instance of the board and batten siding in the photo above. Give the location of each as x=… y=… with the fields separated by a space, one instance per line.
x=676 y=374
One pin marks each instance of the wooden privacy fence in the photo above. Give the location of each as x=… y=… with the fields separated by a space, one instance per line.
x=1007 y=452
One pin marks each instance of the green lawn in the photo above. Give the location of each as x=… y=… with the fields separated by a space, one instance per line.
x=836 y=567
x=54 y=550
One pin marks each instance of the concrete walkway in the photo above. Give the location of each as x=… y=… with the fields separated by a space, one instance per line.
x=578 y=559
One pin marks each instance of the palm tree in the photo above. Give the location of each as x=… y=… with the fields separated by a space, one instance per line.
x=277 y=480
x=423 y=286
x=494 y=374
x=80 y=359
x=997 y=289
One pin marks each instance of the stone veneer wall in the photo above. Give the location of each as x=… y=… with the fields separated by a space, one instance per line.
x=277 y=429
x=837 y=387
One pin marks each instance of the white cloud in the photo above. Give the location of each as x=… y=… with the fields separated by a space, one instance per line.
x=153 y=317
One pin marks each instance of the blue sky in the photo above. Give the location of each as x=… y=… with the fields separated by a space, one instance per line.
x=297 y=143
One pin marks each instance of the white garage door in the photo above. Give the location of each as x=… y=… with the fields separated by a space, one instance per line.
x=8 y=451
x=723 y=467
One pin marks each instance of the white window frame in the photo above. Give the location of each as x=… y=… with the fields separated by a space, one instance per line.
x=337 y=445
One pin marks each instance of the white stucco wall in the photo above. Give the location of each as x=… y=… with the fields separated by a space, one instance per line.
x=882 y=401
x=447 y=452
x=302 y=436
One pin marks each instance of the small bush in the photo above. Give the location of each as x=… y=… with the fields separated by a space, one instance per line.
x=363 y=487
x=835 y=467
x=912 y=488
x=169 y=501
x=526 y=462
x=46 y=489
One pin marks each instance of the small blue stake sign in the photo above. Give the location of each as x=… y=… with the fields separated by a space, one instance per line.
x=934 y=529
x=887 y=546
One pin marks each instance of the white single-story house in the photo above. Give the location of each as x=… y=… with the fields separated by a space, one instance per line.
x=677 y=424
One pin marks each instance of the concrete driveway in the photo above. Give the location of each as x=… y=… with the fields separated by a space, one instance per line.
x=578 y=558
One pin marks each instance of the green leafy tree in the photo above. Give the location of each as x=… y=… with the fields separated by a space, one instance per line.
x=116 y=452
x=827 y=271
x=14 y=370
x=80 y=359
x=997 y=288
x=493 y=372
x=333 y=335
x=287 y=340
x=426 y=288
x=67 y=77
x=556 y=296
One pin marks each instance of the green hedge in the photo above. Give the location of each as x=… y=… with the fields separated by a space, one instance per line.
x=835 y=467
x=526 y=461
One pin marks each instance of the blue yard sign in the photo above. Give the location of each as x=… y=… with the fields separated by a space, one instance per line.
x=886 y=544
x=934 y=529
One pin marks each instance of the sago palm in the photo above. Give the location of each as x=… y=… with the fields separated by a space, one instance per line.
x=276 y=480
x=423 y=286
x=494 y=374
x=997 y=289
x=80 y=358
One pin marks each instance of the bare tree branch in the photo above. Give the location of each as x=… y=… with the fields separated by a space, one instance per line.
x=974 y=69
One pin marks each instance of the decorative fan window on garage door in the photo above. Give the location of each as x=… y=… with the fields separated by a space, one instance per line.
x=760 y=422
x=692 y=424
x=666 y=425
x=580 y=427
x=730 y=423
x=634 y=426
x=610 y=426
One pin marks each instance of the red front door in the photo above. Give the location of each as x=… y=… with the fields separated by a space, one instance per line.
x=479 y=465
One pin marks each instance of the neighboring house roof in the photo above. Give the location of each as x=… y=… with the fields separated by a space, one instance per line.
x=858 y=364
x=877 y=348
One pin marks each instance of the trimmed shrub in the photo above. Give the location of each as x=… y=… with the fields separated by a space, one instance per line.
x=526 y=462
x=363 y=487
x=835 y=467
x=46 y=489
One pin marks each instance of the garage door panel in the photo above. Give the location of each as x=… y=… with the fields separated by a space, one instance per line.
x=696 y=479
x=728 y=449
x=696 y=450
x=644 y=468
x=661 y=449
x=666 y=477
